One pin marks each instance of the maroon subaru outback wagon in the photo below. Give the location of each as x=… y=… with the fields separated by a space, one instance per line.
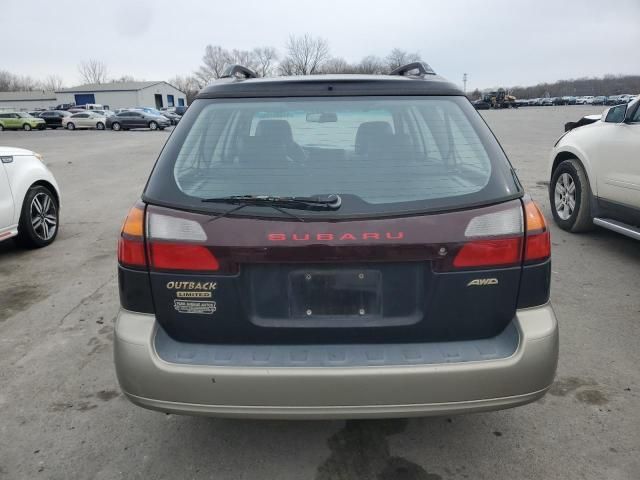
x=334 y=246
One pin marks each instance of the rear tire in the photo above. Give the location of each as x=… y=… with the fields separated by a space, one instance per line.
x=1 y=128
x=570 y=197
x=116 y=126
x=39 y=218
x=153 y=126
x=71 y=126
x=100 y=126
x=26 y=127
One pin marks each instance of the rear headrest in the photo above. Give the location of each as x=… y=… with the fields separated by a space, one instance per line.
x=275 y=129
x=262 y=151
x=371 y=132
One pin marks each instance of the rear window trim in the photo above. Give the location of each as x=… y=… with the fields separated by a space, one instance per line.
x=252 y=212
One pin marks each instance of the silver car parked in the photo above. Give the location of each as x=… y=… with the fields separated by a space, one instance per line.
x=84 y=120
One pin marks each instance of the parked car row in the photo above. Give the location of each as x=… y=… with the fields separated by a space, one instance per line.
x=584 y=100
x=82 y=118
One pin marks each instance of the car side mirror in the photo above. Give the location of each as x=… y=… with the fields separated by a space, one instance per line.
x=616 y=114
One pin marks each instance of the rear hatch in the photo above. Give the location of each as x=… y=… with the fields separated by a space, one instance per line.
x=433 y=277
x=428 y=244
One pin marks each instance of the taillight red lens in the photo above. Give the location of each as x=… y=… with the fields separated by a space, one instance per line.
x=538 y=239
x=176 y=256
x=484 y=253
x=131 y=252
x=538 y=246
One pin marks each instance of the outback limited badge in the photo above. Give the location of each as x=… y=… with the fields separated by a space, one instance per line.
x=192 y=289
x=202 y=286
x=482 y=282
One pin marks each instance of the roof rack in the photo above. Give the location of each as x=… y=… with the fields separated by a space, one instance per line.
x=237 y=70
x=405 y=70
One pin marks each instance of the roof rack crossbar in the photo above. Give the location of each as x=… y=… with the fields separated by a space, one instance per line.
x=405 y=70
x=234 y=70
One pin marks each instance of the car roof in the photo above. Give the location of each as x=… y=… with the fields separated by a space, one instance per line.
x=329 y=86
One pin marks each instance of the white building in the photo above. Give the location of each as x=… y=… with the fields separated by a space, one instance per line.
x=26 y=101
x=123 y=95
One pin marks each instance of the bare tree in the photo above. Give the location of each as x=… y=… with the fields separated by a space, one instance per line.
x=338 y=65
x=214 y=60
x=371 y=65
x=265 y=59
x=188 y=84
x=52 y=83
x=124 y=79
x=475 y=95
x=10 y=82
x=6 y=79
x=93 y=71
x=27 y=84
x=305 y=55
x=242 y=57
x=286 y=67
x=398 y=57
x=607 y=85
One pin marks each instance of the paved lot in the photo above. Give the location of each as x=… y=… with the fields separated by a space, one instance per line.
x=62 y=415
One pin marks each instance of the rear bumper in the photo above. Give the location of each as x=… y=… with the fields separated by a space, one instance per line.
x=336 y=391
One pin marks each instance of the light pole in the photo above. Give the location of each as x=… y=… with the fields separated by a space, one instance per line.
x=464 y=81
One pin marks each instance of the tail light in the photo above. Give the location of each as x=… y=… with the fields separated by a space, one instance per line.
x=176 y=244
x=538 y=239
x=171 y=243
x=495 y=239
x=131 y=251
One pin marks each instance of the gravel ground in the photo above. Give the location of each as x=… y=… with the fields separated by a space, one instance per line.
x=62 y=415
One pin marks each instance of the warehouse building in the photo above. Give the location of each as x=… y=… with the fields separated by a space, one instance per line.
x=25 y=101
x=123 y=95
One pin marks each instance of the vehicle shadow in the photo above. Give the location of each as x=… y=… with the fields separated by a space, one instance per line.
x=605 y=241
x=10 y=247
x=385 y=449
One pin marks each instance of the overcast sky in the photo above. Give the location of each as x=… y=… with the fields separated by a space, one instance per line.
x=498 y=43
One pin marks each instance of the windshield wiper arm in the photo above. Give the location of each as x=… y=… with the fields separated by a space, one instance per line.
x=241 y=206
x=330 y=202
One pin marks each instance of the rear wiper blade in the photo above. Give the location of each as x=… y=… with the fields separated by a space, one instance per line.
x=328 y=202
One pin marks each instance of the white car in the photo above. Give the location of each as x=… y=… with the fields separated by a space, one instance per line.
x=29 y=198
x=104 y=113
x=84 y=120
x=585 y=100
x=595 y=173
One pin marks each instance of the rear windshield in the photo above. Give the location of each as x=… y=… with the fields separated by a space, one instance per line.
x=382 y=155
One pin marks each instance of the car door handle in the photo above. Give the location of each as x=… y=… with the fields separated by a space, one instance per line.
x=6 y=159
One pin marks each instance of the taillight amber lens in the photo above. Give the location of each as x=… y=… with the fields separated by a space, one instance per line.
x=131 y=243
x=538 y=238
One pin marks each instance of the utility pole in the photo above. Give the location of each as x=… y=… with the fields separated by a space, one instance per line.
x=464 y=81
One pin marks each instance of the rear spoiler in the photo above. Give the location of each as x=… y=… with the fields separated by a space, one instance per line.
x=586 y=120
